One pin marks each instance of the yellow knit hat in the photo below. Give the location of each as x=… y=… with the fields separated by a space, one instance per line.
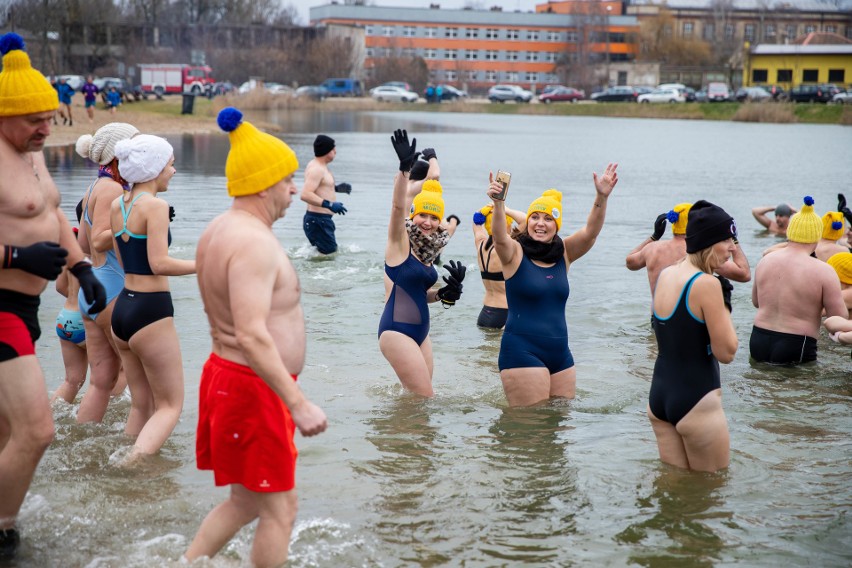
x=257 y=160
x=805 y=226
x=429 y=200
x=23 y=90
x=842 y=264
x=680 y=214
x=550 y=203
x=832 y=225
x=487 y=213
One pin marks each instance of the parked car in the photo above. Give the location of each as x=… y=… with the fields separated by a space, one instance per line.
x=662 y=96
x=450 y=93
x=810 y=94
x=718 y=92
x=548 y=88
x=278 y=89
x=844 y=98
x=777 y=91
x=616 y=94
x=221 y=88
x=752 y=95
x=503 y=93
x=344 y=87
x=701 y=96
x=401 y=84
x=562 y=94
x=73 y=81
x=393 y=94
x=127 y=91
x=312 y=92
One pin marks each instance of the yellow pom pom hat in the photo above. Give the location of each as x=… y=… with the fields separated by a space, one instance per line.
x=257 y=160
x=805 y=226
x=429 y=200
x=832 y=225
x=678 y=217
x=550 y=203
x=842 y=264
x=23 y=90
x=487 y=213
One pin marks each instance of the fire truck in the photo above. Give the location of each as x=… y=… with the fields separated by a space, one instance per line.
x=163 y=78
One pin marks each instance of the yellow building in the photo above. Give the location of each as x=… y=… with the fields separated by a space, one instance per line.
x=792 y=65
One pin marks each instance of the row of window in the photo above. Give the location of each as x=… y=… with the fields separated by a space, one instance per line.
x=808 y=76
x=467 y=54
x=447 y=75
x=770 y=31
x=468 y=33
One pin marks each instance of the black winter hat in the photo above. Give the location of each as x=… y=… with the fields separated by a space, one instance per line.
x=418 y=170
x=707 y=225
x=323 y=145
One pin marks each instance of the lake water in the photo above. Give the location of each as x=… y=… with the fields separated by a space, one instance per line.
x=461 y=479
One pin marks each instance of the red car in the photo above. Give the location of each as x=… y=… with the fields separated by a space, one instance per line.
x=562 y=94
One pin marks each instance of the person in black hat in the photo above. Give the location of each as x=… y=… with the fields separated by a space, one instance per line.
x=319 y=193
x=694 y=331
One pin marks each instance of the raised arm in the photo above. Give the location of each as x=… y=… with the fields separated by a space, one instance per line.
x=508 y=249
x=397 y=247
x=636 y=258
x=759 y=213
x=581 y=242
x=736 y=268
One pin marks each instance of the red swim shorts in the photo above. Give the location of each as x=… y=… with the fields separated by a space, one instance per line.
x=245 y=432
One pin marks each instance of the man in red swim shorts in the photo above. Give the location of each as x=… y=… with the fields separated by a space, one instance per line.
x=250 y=404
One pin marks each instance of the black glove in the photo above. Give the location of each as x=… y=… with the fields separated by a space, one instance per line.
x=659 y=227
x=92 y=288
x=44 y=259
x=343 y=188
x=335 y=206
x=450 y=293
x=843 y=208
x=405 y=151
x=429 y=153
x=727 y=287
x=450 y=217
x=171 y=213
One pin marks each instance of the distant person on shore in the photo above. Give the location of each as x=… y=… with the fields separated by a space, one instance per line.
x=777 y=226
x=791 y=289
x=37 y=241
x=113 y=99
x=319 y=193
x=535 y=360
x=415 y=240
x=90 y=96
x=65 y=91
x=842 y=265
x=250 y=403
x=656 y=255
x=694 y=331
x=494 y=310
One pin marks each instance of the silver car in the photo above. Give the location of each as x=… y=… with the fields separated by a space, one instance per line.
x=503 y=93
x=393 y=94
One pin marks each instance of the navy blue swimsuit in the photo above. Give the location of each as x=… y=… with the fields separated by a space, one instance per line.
x=686 y=369
x=407 y=308
x=536 y=333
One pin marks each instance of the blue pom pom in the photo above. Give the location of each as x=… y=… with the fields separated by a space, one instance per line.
x=229 y=118
x=672 y=216
x=478 y=218
x=836 y=225
x=809 y=200
x=9 y=42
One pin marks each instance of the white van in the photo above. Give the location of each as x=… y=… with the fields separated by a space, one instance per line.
x=717 y=92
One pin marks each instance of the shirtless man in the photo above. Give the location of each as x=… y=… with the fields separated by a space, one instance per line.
x=655 y=255
x=777 y=226
x=37 y=241
x=791 y=289
x=250 y=403
x=319 y=193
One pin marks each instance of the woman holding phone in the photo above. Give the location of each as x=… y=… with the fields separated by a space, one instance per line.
x=535 y=361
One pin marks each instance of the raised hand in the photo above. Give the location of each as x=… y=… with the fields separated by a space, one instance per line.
x=429 y=153
x=659 y=226
x=606 y=182
x=405 y=150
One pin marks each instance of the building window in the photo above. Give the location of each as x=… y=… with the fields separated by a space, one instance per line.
x=471 y=75
x=791 y=31
x=836 y=75
x=785 y=76
x=729 y=31
x=571 y=37
x=430 y=32
x=549 y=56
x=687 y=29
x=511 y=56
x=512 y=76
x=471 y=32
x=491 y=75
x=491 y=55
x=408 y=52
x=387 y=30
x=491 y=33
x=810 y=75
x=532 y=35
x=810 y=29
x=759 y=76
x=450 y=75
x=748 y=33
x=552 y=36
x=512 y=34
x=709 y=32
x=769 y=31
x=433 y=75
x=369 y=52
x=451 y=32
x=368 y=30
x=532 y=77
x=831 y=29
x=430 y=53
x=451 y=54
x=471 y=54
x=532 y=56
x=408 y=31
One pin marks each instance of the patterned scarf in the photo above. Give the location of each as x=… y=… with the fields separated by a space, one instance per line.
x=426 y=247
x=542 y=252
x=108 y=171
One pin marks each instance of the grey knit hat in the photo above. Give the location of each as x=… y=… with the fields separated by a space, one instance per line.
x=100 y=148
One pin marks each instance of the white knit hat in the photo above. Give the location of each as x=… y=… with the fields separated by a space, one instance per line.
x=100 y=148
x=143 y=157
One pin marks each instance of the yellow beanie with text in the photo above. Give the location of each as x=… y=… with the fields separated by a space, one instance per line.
x=550 y=203
x=805 y=226
x=430 y=200
x=23 y=90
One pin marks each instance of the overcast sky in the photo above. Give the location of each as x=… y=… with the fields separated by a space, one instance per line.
x=303 y=6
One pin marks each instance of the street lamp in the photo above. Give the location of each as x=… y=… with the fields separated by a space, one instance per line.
x=606 y=31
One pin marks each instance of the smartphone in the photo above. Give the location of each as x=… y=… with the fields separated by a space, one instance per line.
x=503 y=178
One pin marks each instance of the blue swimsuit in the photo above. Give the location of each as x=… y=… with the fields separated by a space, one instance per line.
x=110 y=273
x=686 y=369
x=407 y=309
x=536 y=334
